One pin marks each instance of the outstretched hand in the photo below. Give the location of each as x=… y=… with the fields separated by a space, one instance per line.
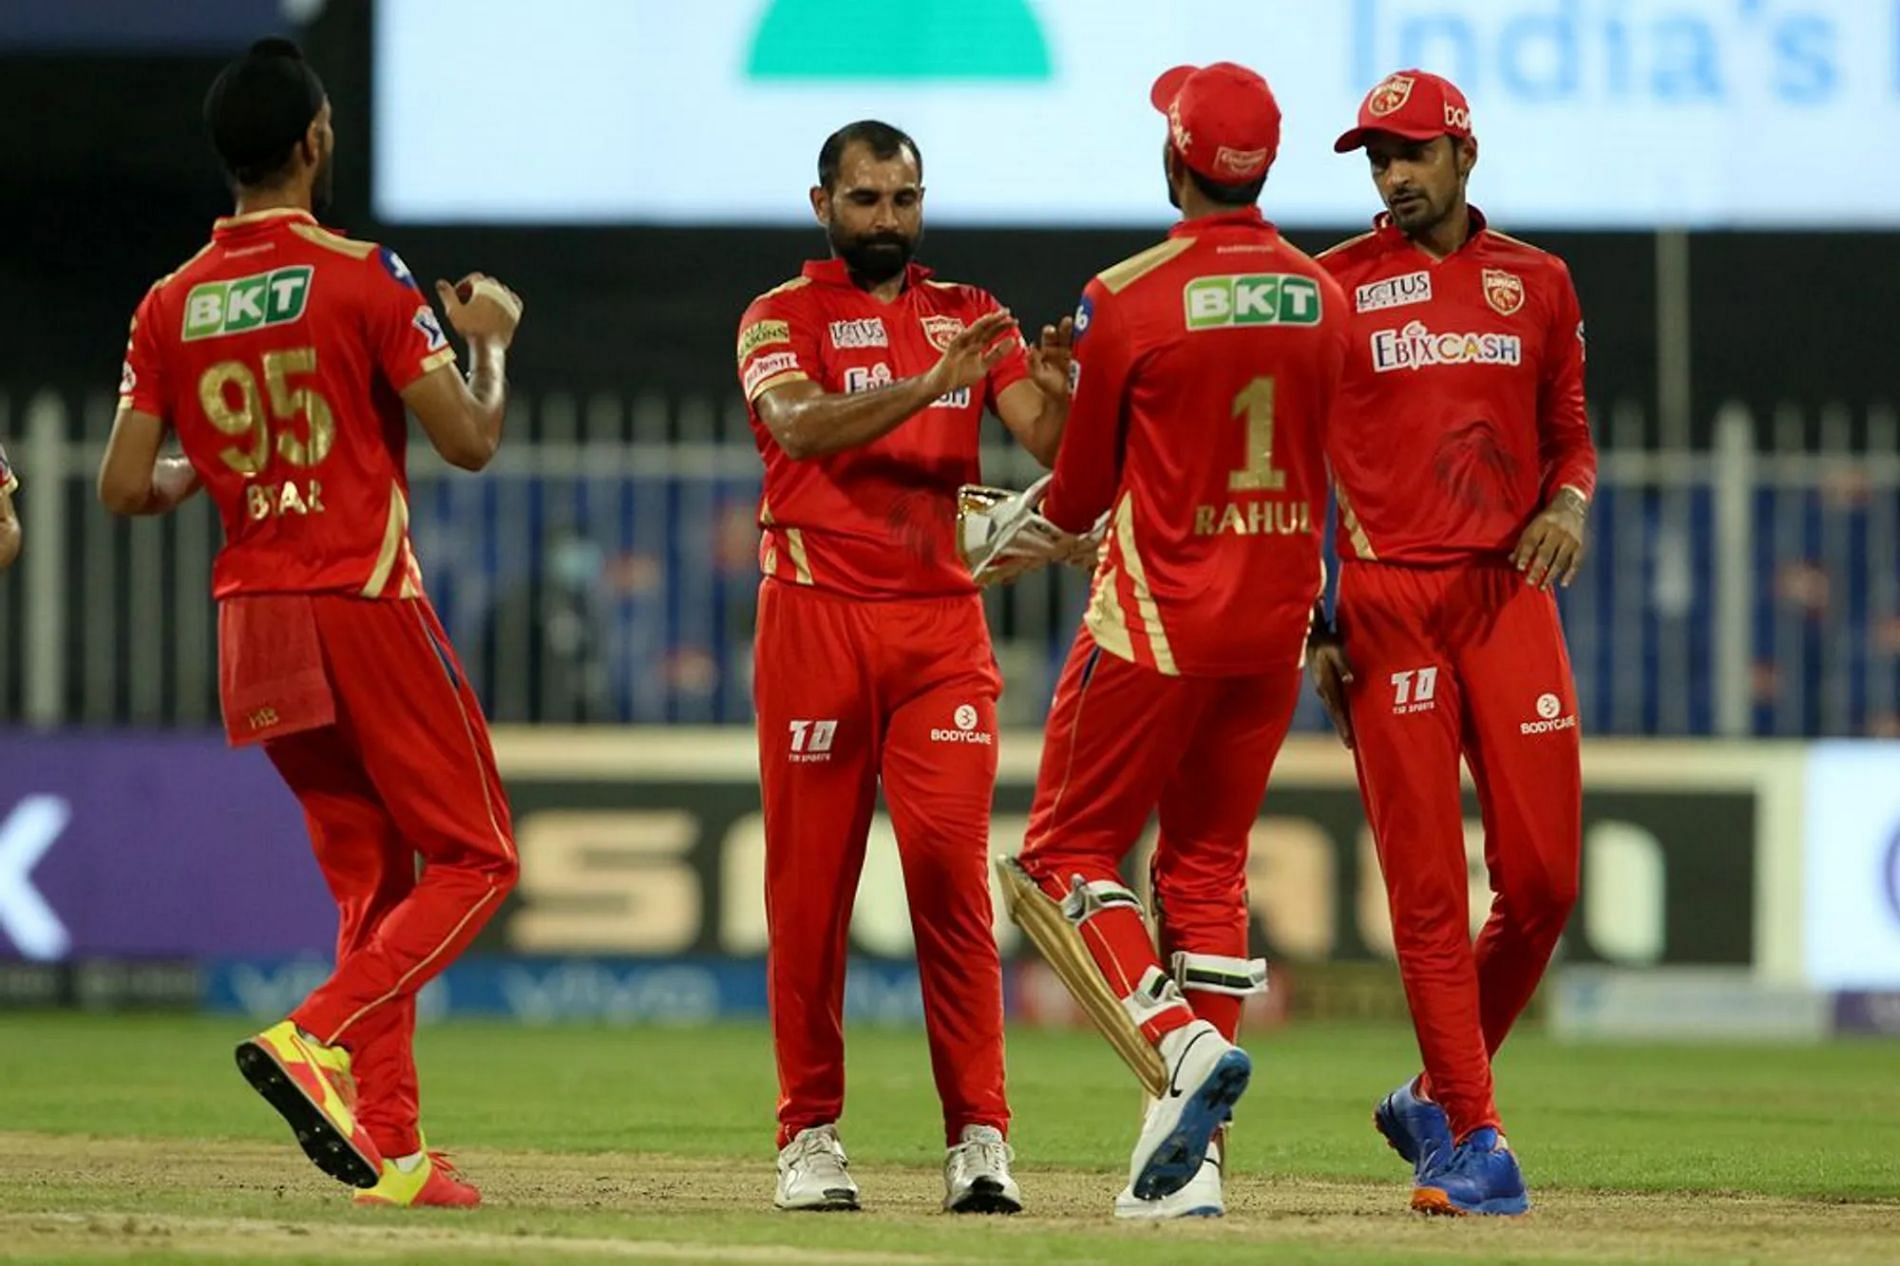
x=974 y=352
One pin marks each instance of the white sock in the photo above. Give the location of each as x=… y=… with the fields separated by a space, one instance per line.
x=411 y=1163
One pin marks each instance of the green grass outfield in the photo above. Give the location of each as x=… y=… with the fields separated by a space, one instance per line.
x=133 y=1139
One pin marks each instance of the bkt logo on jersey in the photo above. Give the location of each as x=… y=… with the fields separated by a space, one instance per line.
x=1416 y=347
x=248 y=303
x=1261 y=299
x=958 y=399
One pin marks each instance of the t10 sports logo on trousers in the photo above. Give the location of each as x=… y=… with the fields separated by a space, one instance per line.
x=277 y=297
x=1215 y=303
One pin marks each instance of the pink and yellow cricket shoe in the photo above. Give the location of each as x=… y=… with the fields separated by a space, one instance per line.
x=311 y=1087
x=432 y=1184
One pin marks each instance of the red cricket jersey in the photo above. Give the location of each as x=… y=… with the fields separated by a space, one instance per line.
x=1206 y=369
x=1462 y=409
x=277 y=354
x=880 y=520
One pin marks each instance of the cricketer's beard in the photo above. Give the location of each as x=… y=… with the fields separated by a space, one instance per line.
x=876 y=257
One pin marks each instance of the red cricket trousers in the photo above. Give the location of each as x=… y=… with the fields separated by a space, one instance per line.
x=368 y=717
x=1465 y=660
x=1124 y=741
x=849 y=693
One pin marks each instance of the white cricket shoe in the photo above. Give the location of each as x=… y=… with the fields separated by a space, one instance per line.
x=1207 y=1074
x=1201 y=1198
x=811 y=1173
x=976 y=1177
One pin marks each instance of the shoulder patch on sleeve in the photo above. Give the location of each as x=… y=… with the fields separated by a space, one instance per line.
x=1125 y=274
x=393 y=265
x=329 y=241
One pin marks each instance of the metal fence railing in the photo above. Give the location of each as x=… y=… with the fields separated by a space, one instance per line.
x=604 y=570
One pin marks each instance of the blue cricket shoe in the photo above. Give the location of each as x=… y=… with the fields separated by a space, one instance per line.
x=1415 y=1128
x=1481 y=1177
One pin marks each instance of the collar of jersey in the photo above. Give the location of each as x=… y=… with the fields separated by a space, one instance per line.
x=832 y=272
x=1382 y=225
x=1239 y=217
x=258 y=219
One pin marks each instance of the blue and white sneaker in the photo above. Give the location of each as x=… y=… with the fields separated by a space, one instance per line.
x=1415 y=1128
x=1206 y=1075
x=1481 y=1177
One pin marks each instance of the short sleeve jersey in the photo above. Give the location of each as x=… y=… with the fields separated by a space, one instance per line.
x=1206 y=369
x=278 y=354
x=877 y=521
x=1462 y=409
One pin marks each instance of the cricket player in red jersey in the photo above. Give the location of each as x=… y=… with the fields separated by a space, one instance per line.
x=9 y=522
x=1206 y=368
x=867 y=381
x=1464 y=470
x=283 y=356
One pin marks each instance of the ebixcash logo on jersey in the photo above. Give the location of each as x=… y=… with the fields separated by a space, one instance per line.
x=1415 y=347
x=249 y=303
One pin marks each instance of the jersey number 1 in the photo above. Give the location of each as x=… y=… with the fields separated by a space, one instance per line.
x=247 y=416
x=1255 y=404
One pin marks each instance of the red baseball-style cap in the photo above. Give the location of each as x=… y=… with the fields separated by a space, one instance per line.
x=1415 y=104
x=1222 y=120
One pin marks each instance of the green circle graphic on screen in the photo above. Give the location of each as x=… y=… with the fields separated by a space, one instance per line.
x=899 y=39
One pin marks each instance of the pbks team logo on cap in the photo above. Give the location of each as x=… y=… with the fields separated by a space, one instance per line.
x=1503 y=291
x=1390 y=95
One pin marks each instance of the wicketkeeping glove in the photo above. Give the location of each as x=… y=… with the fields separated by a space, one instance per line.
x=1002 y=536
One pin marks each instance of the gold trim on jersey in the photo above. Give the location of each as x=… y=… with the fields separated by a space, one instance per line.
x=1119 y=277
x=395 y=538
x=783 y=286
x=1336 y=247
x=1107 y=622
x=1145 y=605
x=801 y=562
x=317 y=235
x=253 y=217
x=196 y=256
x=1502 y=236
x=435 y=360
x=1355 y=530
x=777 y=380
